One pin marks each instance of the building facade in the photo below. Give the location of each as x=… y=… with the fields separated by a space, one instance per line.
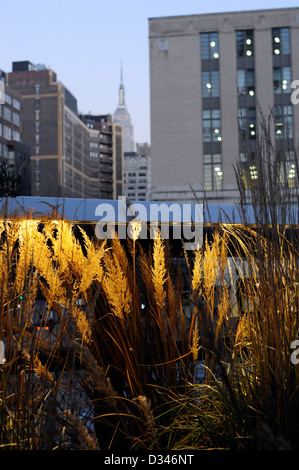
x=13 y=152
x=65 y=150
x=137 y=173
x=209 y=76
x=109 y=139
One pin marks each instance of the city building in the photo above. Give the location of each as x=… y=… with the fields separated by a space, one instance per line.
x=110 y=153
x=122 y=116
x=65 y=151
x=210 y=75
x=137 y=173
x=13 y=152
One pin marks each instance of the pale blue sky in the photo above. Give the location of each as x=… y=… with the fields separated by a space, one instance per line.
x=85 y=41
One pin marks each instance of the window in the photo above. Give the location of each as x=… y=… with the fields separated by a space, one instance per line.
x=16 y=136
x=288 y=175
x=16 y=118
x=212 y=172
x=7 y=132
x=246 y=120
x=16 y=103
x=37 y=88
x=209 y=46
x=244 y=40
x=283 y=121
x=7 y=113
x=8 y=99
x=163 y=45
x=281 y=41
x=211 y=125
x=282 y=80
x=37 y=114
x=210 y=84
x=245 y=82
x=249 y=172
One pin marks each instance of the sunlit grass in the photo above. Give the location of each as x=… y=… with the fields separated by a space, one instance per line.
x=109 y=345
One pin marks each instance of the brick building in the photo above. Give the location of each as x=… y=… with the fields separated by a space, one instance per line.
x=65 y=151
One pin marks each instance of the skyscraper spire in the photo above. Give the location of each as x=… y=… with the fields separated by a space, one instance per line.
x=121 y=101
x=122 y=116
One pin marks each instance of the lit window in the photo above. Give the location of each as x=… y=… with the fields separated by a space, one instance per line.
x=246 y=121
x=283 y=121
x=281 y=41
x=282 y=80
x=210 y=84
x=209 y=46
x=288 y=170
x=212 y=172
x=246 y=82
x=244 y=41
x=211 y=125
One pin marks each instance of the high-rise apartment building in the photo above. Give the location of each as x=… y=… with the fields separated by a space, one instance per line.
x=137 y=173
x=13 y=152
x=65 y=151
x=109 y=138
x=209 y=76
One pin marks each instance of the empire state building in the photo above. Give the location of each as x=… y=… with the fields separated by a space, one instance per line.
x=122 y=116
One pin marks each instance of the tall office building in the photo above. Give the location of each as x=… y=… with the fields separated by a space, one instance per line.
x=122 y=116
x=65 y=151
x=209 y=75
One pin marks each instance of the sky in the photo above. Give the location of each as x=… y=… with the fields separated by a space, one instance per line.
x=85 y=42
